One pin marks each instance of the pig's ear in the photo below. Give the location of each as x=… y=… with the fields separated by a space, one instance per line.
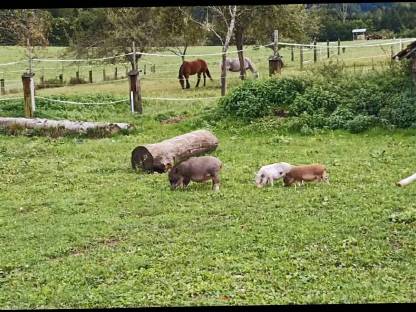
x=168 y=166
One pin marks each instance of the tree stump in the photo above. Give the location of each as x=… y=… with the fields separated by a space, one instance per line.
x=162 y=156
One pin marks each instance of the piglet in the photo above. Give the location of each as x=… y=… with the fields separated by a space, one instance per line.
x=305 y=173
x=269 y=173
x=197 y=169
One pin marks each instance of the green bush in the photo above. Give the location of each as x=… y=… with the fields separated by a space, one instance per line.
x=316 y=99
x=401 y=110
x=258 y=98
x=360 y=123
x=329 y=98
x=339 y=118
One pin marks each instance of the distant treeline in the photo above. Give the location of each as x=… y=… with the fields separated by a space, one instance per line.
x=66 y=27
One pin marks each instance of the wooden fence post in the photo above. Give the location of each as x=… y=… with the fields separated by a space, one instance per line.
x=339 y=44
x=144 y=69
x=301 y=57
x=275 y=64
x=315 y=57
x=2 y=88
x=104 y=74
x=343 y=49
x=135 y=92
x=77 y=75
x=90 y=75
x=61 y=78
x=327 y=49
x=115 y=73
x=42 y=81
x=292 y=54
x=29 y=94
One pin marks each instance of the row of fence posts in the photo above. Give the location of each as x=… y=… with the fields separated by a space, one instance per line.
x=275 y=66
x=275 y=62
x=90 y=77
x=134 y=84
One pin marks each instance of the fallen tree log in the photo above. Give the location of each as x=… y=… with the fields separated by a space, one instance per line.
x=161 y=156
x=407 y=180
x=64 y=125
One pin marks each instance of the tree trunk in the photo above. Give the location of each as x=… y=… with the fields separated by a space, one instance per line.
x=223 y=75
x=66 y=125
x=230 y=31
x=164 y=155
x=239 y=44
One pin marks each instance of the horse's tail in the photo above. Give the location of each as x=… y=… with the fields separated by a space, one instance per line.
x=180 y=75
x=251 y=65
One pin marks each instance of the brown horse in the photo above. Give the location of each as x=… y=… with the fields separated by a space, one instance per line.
x=191 y=68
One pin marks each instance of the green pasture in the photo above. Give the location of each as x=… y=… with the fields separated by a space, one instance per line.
x=80 y=229
x=166 y=68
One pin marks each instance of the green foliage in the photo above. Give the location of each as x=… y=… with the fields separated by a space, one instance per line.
x=316 y=99
x=258 y=98
x=360 y=123
x=329 y=98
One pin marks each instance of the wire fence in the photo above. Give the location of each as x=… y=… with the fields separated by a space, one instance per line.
x=159 y=67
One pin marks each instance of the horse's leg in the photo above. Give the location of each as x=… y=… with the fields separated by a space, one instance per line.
x=199 y=78
x=203 y=74
x=187 y=82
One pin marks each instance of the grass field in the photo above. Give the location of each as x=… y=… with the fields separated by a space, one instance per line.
x=80 y=229
x=167 y=67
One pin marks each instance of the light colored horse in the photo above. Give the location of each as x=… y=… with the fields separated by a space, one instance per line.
x=233 y=65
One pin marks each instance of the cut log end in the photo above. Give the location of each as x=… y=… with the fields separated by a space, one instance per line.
x=159 y=157
x=141 y=158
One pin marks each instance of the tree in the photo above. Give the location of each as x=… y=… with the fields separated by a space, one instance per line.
x=258 y=22
x=177 y=31
x=26 y=28
x=222 y=26
x=111 y=31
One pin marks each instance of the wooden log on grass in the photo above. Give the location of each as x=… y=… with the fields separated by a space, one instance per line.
x=64 y=125
x=162 y=156
x=407 y=180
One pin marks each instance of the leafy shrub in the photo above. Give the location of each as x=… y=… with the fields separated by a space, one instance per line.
x=316 y=99
x=339 y=118
x=360 y=123
x=401 y=110
x=324 y=98
x=330 y=70
x=256 y=98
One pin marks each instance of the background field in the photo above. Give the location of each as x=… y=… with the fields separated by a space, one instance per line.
x=79 y=228
x=358 y=59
